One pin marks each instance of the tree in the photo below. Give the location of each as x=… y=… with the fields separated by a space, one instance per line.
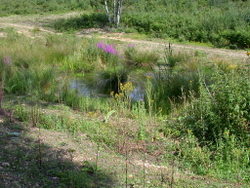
x=114 y=10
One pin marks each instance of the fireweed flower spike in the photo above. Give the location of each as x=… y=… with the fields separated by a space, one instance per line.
x=101 y=45
x=108 y=48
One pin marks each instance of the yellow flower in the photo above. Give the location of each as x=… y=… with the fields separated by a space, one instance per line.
x=149 y=77
x=232 y=66
x=248 y=53
x=127 y=87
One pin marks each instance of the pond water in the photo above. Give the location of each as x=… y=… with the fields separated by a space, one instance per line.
x=84 y=89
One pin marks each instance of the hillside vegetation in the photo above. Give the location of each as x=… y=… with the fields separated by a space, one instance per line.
x=223 y=23
x=22 y=7
x=80 y=111
x=193 y=110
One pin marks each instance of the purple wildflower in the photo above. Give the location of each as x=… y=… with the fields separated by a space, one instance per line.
x=101 y=45
x=7 y=60
x=108 y=48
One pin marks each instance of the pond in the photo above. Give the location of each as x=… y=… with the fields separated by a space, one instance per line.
x=85 y=89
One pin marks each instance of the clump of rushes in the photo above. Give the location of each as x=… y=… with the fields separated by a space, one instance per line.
x=140 y=59
x=111 y=80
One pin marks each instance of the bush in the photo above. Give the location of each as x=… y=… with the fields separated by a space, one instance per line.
x=224 y=105
x=237 y=39
x=184 y=20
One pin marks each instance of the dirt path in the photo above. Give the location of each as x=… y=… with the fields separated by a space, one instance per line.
x=223 y=53
x=28 y=25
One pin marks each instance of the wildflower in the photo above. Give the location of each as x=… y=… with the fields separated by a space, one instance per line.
x=127 y=87
x=108 y=48
x=232 y=66
x=100 y=45
x=7 y=60
x=149 y=77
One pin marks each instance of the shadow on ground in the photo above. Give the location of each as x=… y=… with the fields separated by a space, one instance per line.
x=94 y=20
x=28 y=163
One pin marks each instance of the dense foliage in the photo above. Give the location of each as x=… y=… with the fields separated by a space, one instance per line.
x=223 y=23
x=40 y=6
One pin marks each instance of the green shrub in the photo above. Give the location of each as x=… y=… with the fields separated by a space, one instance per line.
x=231 y=159
x=237 y=39
x=224 y=105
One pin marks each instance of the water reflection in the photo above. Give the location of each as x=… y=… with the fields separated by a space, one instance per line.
x=83 y=88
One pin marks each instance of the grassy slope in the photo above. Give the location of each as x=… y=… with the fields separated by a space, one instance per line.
x=62 y=155
x=61 y=118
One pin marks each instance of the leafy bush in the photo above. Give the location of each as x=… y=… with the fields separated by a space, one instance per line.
x=224 y=105
x=238 y=39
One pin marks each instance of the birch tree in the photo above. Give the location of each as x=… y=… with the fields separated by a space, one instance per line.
x=114 y=10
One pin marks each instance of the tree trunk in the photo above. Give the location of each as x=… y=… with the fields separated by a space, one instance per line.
x=107 y=11
x=113 y=11
x=119 y=12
